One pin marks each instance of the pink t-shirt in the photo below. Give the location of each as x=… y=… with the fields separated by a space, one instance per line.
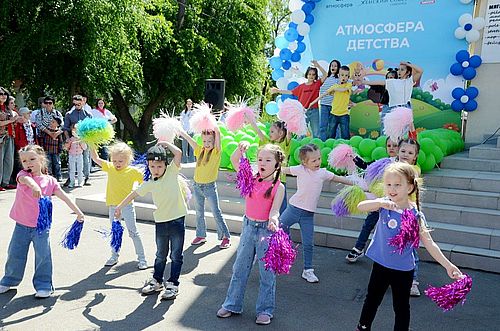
x=309 y=185
x=257 y=207
x=25 y=208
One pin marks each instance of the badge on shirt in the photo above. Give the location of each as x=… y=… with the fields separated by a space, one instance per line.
x=392 y=224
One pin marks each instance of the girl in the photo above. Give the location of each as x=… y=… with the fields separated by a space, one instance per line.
x=259 y=221
x=187 y=150
x=75 y=148
x=302 y=204
x=394 y=269
x=32 y=183
x=121 y=180
x=379 y=95
x=326 y=118
x=306 y=93
x=208 y=158
x=8 y=117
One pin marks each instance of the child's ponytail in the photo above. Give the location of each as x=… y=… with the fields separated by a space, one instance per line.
x=279 y=157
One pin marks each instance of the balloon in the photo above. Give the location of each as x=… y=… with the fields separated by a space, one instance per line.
x=438 y=154
x=292 y=85
x=471 y=105
x=381 y=141
x=294 y=5
x=308 y=7
x=295 y=57
x=460 y=33
x=293 y=45
x=231 y=147
x=222 y=128
x=366 y=147
x=300 y=38
x=282 y=83
x=301 y=47
x=421 y=158
x=355 y=140
x=471 y=36
x=292 y=25
x=285 y=54
x=464 y=99
x=277 y=74
x=457 y=92
x=252 y=152
x=286 y=65
x=469 y=73
x=280 y=42
x=478 y=23
x=309 y=19
x=329 y=143
x=197 y=138
x=305 y=141
x=427 y=144
x=324 y=156
x=226 y=140
x=291 y=34
x=225 y=160
x=462 y=56
x=456 y=105
x=294 y=144
x=298 y=16
x=318 y=142
x=275 y=62
x=429 y=163
x=475 y=61
x=379 y=153
x=456 y=69
x=378 y=64
x=472 y=92
x=303 y=29
x=464 y=19
x=272 y=108
x=466 y=2
x=296 y=156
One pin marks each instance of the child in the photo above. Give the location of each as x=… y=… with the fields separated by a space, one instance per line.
x=24 y=136
x=121 y=180
x=302 y=204
x=32 y=183
x=391 y=268
x=75 y=148
x=186 y=114
x=326 y=117
x=259 y=221
x=53 y=147
x=169 y=216
x=208 y=158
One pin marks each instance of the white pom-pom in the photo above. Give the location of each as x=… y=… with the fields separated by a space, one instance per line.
x=202 y=118
x=166 y=128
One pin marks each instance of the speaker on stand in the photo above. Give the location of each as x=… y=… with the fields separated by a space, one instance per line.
x=214 y=93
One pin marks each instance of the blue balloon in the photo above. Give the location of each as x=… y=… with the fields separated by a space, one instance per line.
x=301 y=47
x=292 y=85
x=456 y=69
x=291 y=34
x=457 y=92
x=278 y=99
x=281 y=42
x=300 y=38
x=308 y=8
x=475 y=61
x=294 y=97
x=309 y=19
x=462 y=56
x=286 y=65
x=469 y=73
x=272 y=108
x=285 y=54
x=275 y=62
x=471 y=105
x=277 y=74
x=292 y=25
x=472 y=92
x=295 y=57
x=285 y=96
x=457 y=105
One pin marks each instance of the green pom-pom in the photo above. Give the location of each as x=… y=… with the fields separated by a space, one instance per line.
x=377 y=188
x=95 y=132
x=354 y=196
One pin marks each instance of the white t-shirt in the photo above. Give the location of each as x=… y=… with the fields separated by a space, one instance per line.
x=399 y=90
x=309 y=186
x=97 y=114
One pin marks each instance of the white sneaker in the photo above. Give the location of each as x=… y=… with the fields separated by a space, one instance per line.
x=414 y=291
x=309 y=275
x=152 y=286
x=142 y=265
x=42 y=294
x=111 y=262
x=171 y=292
x=4 y=289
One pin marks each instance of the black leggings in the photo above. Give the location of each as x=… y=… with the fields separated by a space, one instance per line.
x=380 y=279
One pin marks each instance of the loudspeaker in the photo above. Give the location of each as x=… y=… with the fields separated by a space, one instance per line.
x=214 y=93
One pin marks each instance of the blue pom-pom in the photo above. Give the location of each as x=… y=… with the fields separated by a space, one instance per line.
x=72 y=237
x=140 y=160
x=44 y=215
x=116 y=235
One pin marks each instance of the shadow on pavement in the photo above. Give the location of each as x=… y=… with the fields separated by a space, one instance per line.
x=11 y=307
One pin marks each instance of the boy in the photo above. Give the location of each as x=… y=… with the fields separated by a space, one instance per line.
x=53 y=146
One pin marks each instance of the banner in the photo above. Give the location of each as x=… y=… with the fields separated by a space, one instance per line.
x=490 y=52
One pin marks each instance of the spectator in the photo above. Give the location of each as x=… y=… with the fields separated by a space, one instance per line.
x=187 y=150
x=23 y=136
x=100 y=112
x=7 y=120
x=53 y=147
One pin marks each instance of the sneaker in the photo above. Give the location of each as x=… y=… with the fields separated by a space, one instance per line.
x=66 y=183
x=414 y=291
x=42 y=294
x=4 y=289
x=198 y=241
x=171 y=292
x=1 y=189
x=86 y=182
x=309 y=275
x=142 y=265
x=70 y=186
x=111 y=262
x=152 y=286
x=354 y=255
x=225 y=243
x=10 y=187
x=263 y=319
x=224 y=313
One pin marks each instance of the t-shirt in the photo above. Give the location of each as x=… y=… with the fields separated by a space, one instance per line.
x=167 y=195
x=327 y=99
x=285 y=147
x=340 y=102
x=205 y=173
x=25 y=208
x=120 y=182
x=388 y=226
x=257 y=207
x=399 y=90
x=307 y=93
x=96 y=113
x=309 y=185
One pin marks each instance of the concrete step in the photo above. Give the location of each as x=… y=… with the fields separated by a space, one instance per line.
x=486 y=152
x=482 y=181
x=467 y=216
x=462 y=161
x=498 y=142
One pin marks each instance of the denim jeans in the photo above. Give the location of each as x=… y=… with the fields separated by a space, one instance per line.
x=209 y=192
x=128 y=215
x=169 y=235
x=312 y=119
x=343 y=122
x=326 y=123
x=104 y=153
x=86 y=163
x=75 y=165
x=187 y=152
x=54 y=165
x=19 y=246
x=6 y=160
x=252 y=242
x=305 y=219
x=370 y=222
x=284 y=204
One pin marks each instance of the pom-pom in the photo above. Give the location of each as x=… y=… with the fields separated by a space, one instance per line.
x=377 y=188
x=244 y=178
x=346 y=201
x=202 y=118
x=341 y=157
x=72 y=236
x=44 y=220
x=397 y=123
x=375 y=170
x=280 y=253
x=292 y=113
x=237 y=116
x=408 y=235
x=141 y=161
x=448 y=296
x=95 y=132
x=184 y=185
x=116 y=235
x=166 y=128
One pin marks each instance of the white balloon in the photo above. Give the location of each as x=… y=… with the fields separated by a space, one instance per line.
x=478 y=23
x=277 y=52
x=465 y=2
x=303 y=29
x=460 y=33
x=323 y=64
x=294 y=5
x=472 y=36
x=464 y=19
x=298 y=16
x=293 y=45
x=288 y=74
x=464 y=99
x=301 y=80
x=282 y=83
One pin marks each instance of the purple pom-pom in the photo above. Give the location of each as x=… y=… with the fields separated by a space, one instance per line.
x=280 y=253
x=244 y=178
x=339 y=208
x=375 y=171
x=448 y=296
x=116 y=235
x=72 y=236
x=408 y=235
x=44 y=220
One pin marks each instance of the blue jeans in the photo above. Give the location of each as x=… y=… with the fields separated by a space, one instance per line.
x=6 y=160
x=19 y=246
x=312 y=119
x=284 y=204
x=343 y=122
x=128 y=215
x=252 y=242
x=326 y=123
x=86 y=163
x=370 y=222
x=169 y=235
x=208 y=191
x=187 y=152
x=305 y=219
x=54 y=165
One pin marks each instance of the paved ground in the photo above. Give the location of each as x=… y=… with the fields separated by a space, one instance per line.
x=89 y=296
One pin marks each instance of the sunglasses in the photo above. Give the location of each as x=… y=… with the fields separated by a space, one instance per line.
x=48 y=102
x=2 y=93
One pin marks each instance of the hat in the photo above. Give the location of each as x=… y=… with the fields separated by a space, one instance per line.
x=24 y=110
x=49 y=98
x=156 y=153
x=58 y=119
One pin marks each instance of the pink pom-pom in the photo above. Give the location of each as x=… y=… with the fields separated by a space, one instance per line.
x=280 y=253
x=202 y=118
x=448 y=296
x=341 y=157
x=236 y=118
x=166 y=128
x=244 y=178
x=397 y=123
x=408 y=235
x=292 y=113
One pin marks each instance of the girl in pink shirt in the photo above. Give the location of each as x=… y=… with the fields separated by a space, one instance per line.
x=32 y=183
x=75 y=148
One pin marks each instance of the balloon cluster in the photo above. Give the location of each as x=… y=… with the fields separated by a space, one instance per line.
x=466 y=65
x=464 y=99
x=469 y=28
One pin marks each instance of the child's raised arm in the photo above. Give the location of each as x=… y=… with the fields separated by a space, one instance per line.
x=175 y=150
x=253 y=123
x=416 y=71
x=373 y=82
x=275 y=90
x=217 y=142
x=238 y=153
x=435 y=252
x=275 y=208
x=189 y=139
x=64 y=197
x=95 y=157
x=376 y=204
x=286 y=171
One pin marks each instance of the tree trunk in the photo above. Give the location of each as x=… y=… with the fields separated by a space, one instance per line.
x=181 y=13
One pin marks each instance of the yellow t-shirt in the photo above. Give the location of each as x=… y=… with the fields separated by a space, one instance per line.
x=205 y=173
x=340 y=101
x=167 y=195
x=120 y=182
x=285 y=147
